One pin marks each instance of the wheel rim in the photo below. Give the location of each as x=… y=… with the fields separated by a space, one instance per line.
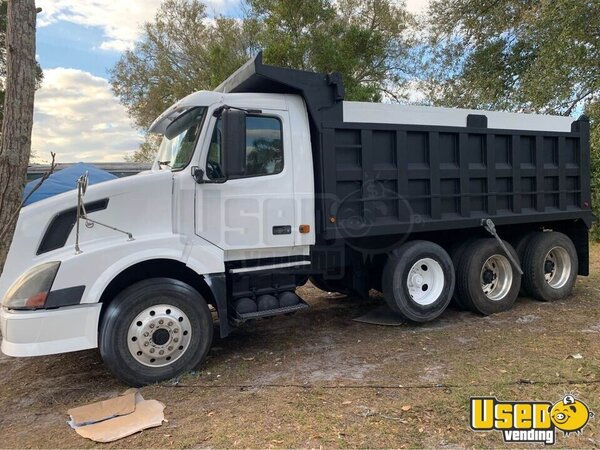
x=159 y=335
x=425 y=281
x=557 y=267
x=496 y=277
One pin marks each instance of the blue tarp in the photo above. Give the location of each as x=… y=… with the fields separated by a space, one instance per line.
x=65 y=180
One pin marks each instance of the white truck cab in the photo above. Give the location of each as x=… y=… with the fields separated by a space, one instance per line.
x=272 y=178
x=171 y=217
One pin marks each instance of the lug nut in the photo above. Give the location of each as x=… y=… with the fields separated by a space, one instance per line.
x=161 y=321
x=151 y=325
x=176 y=340
x=161 y=352
x=146 y=344
x=151 y=350
x=170 y=323
x=146 y=334
x=176 y=330
x=170 y=348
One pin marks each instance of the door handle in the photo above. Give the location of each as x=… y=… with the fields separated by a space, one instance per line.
x=282 y=229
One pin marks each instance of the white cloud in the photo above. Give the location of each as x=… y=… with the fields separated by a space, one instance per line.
x=120 y=21
x=417 y=6
x=78 y=117
x=116 y=45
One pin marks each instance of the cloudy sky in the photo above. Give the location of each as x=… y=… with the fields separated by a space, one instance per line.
x=76 y=114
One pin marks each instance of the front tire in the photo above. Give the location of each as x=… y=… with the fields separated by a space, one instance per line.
x=418 y=281
x=154 y=330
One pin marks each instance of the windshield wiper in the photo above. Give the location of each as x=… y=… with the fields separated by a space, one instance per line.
x=164 y=163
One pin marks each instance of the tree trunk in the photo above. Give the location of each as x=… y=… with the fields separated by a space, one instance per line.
x=15 y=147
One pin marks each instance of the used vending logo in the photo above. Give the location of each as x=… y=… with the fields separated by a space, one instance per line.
x=529 y=421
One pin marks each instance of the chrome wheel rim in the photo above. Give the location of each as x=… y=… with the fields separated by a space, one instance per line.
x=425 y=281
x=496 y=277
x=159 y=335
x=557 y=267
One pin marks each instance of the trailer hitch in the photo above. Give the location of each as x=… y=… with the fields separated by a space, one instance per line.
x=490 y=227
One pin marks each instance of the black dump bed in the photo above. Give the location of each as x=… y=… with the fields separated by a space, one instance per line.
x=382 y=179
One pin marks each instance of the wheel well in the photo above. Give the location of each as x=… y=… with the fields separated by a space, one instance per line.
x=155 y=268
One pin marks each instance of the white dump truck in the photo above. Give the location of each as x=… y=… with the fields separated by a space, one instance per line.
x=273 y=179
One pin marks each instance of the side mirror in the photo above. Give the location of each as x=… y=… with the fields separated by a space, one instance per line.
x=233 y=142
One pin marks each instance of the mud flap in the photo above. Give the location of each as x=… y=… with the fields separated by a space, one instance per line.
x=218 y=287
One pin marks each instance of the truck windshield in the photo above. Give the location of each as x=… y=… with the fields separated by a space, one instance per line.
x=177 y=147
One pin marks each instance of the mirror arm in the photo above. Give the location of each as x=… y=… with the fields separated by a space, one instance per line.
x=217 y=112
x=198 y=176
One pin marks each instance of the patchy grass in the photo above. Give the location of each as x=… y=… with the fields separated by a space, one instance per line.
x=321 y=379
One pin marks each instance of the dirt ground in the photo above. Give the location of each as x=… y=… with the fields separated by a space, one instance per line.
x=320 y=379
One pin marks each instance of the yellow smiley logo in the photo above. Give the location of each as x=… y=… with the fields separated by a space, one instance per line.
x=570 y=415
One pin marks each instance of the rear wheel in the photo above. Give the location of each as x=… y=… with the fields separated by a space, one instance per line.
x=520 y=245
x=550 y=266
x=418 y=281
x=155 y=330
x=486 y=280
x=456 y=252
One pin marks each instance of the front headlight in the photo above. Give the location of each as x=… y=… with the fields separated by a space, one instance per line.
x=31 y=289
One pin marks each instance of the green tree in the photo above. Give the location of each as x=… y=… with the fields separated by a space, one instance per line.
x=146 y=151
x=181 y=51
x=364 y=40
x=513 y=54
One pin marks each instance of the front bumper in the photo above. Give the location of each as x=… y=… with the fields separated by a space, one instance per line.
x=51 y=331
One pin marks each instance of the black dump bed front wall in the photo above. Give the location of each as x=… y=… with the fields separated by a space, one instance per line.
x=391 y=179
x=377 y=180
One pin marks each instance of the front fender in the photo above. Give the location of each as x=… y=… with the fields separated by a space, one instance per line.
x=99 y=263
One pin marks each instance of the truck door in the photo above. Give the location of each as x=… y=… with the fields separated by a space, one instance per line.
x=255 y=212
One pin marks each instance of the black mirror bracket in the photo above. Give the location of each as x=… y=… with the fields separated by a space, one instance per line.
x=217 y=112
x=198 y=176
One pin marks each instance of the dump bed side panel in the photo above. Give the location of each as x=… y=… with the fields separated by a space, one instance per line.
x=382 y=179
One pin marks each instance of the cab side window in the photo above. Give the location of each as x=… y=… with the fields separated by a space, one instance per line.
x=264 y=148
x=214 y=160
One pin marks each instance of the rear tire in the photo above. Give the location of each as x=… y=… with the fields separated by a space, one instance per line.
x=456 y=252
x=486 y=280
x=520 y=245
x=550 y=266
x=418 y=281
x=154 y=330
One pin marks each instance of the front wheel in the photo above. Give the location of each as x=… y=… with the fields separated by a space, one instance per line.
x=155 y=330
x=418 y=281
